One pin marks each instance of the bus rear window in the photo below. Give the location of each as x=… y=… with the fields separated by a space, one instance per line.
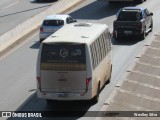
x=63 y=57
x=53 y=22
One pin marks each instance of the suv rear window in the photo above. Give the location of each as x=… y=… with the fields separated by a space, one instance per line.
x=53 y=22
x=63 y=57
x=129 y=16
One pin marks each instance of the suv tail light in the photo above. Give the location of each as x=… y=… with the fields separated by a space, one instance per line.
x=41 y=29
x=139 y=26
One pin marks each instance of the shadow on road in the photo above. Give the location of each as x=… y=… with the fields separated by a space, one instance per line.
x=76 y=109
x=125 y=41
x=98 y=10
x=43 y=1
x=35 y=45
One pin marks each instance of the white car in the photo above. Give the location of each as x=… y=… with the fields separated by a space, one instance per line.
x=53 y=23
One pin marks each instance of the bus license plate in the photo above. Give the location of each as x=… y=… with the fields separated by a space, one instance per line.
x=62 y=94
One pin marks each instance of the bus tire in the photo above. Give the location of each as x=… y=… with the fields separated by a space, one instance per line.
x=49 y=100
x=109 y=80
x=40 y=40
x=96 y=98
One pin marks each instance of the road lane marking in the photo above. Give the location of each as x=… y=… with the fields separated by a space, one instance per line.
x=139 y=95
x=130 y=105
x=151 y=56
x=10 y=5
x=146 y=74
x=154 y=48
x=148 y=65
x=143 y=84
x=4 y=2
x=19 y=45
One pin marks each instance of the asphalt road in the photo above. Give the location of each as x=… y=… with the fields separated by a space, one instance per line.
x=14 y=12
x=17 y=71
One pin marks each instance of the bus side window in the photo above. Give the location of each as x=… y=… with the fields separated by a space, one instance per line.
x=97 y=52
x=106 y=42
x=93 y=55
x=100 y=49
x=102 y=46
x=109 y=42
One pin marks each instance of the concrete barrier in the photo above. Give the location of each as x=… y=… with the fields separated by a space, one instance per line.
x=27 y=26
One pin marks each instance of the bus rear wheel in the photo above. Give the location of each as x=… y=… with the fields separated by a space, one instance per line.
x=96 y=98
x=109 y=80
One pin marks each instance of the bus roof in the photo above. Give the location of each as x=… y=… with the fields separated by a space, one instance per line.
x=77 y=33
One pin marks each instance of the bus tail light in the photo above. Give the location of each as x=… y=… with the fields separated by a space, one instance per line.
x=39 y=82
x=87 y=84
x=87 y=81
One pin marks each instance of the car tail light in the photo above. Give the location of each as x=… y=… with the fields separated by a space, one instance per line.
x=41 y=29
x=39 y=82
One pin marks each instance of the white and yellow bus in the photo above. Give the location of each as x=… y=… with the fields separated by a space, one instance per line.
x=74 y=63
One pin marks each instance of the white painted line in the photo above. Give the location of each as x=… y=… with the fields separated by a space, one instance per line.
x=154 y=57
x=156 y=41
x=139 y=95
x=143 y=84
x=148 y=65
x=3 y=2
x=131 y=106
x=132 y=65
x=18 y=46
x=154 y=48
x=10 y=5
x=113 y=93
x=128 y=71
x=146 y=74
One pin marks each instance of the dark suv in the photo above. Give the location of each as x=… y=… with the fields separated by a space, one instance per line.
x=133 y=21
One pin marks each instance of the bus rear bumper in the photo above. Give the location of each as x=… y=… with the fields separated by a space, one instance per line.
x=64 y=95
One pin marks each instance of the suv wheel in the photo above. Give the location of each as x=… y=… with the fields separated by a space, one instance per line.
x=139 y=1
x=39 y=0
x=151 y=27
x=143 y=35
